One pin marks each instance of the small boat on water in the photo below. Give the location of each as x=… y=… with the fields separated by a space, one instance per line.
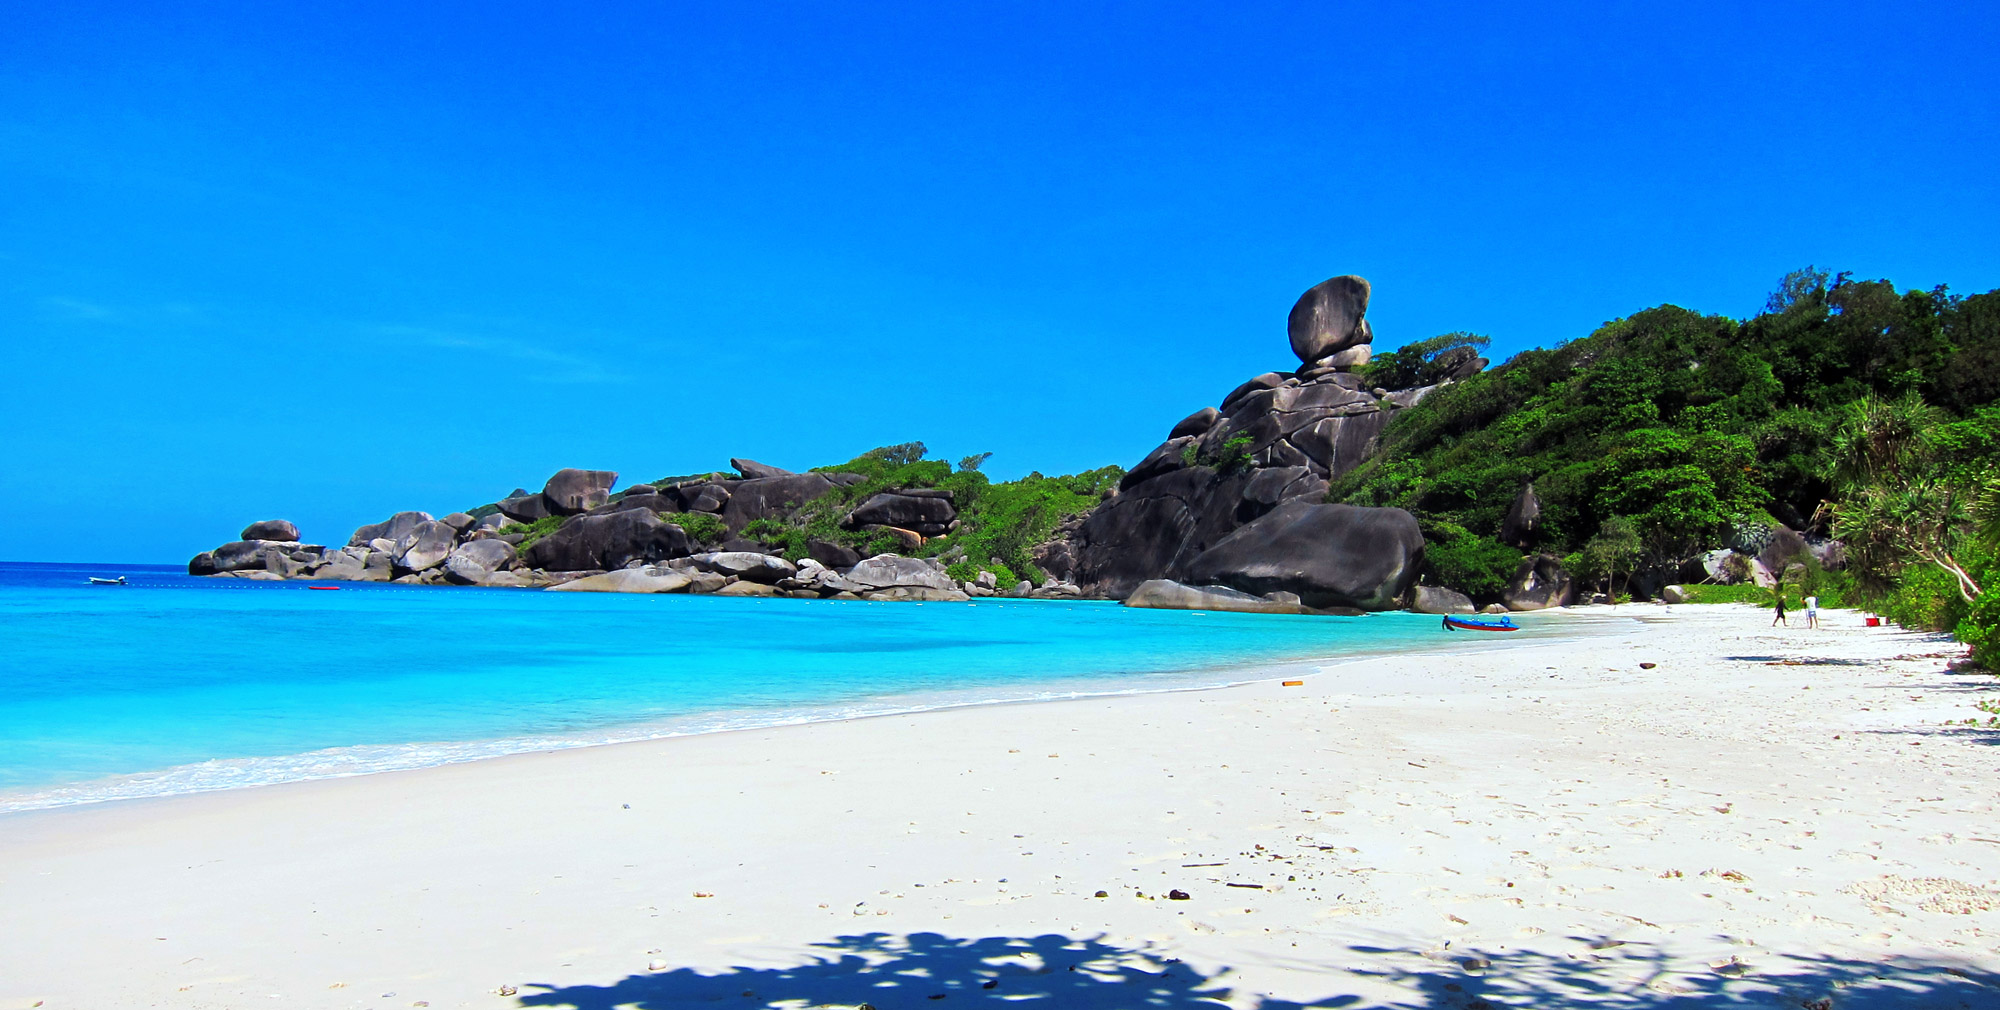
x=119 y=581
x=322 y=587
x=1453 y=622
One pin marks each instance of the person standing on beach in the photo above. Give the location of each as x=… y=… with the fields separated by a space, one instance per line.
x=1779 y=595
x=1812 y=611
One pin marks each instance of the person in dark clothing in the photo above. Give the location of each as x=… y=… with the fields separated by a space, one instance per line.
x=1780 y=618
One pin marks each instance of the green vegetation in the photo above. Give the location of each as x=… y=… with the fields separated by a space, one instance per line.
x=1474 y=565
x=533 y=531
x=1004 y=521
x=1423 y=362
x=1846 y=408
x=704 y=529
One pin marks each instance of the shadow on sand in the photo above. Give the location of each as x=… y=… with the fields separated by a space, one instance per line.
x=897 y=972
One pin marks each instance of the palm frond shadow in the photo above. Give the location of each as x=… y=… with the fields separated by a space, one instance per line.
x=889 y=971
x=895 y=972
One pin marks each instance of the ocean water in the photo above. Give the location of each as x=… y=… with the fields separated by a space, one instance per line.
x=173 y=684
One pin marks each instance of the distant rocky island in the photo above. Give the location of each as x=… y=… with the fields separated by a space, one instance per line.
x=1418 y=478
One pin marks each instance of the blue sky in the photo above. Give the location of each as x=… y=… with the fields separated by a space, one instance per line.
x=325 y=262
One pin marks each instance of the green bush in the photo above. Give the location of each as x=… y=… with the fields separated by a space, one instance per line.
x=1980 y=628
x=534 y=531
x=701 y=527
x=1740 y=593
x=1479 y=567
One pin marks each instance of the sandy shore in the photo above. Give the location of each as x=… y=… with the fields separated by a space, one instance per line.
x=1542 y=826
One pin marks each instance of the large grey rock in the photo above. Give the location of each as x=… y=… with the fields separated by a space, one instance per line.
x=926 y=514
x=475 y=562
x=752 y=468
x=391 y=529
x=271 y=529
x=1674 y=594
x=1522 y=515
x=1268 y=380
x=1151 y=530
x=526 y=508
x=1328 y=318
x=885 y=571
x=705 y=498
x=1784 y=548
x=202 y=564
x=629 y=580
x=1539 y=583
x=250 y=555
x=1439 y=600
x=835 y=556
x=336 y=567
x=771 y=497
x=1170 y=456
x=649 y=502
x=917 y=594
x=1330 y=555
x=608 y=541
x=1196 y=423
x=763 y=568
x=460 y=521
x=745 y=587
x=426 y=546
x=1165 y=594
x=572 y=491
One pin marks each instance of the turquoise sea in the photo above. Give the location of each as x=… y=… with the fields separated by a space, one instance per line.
x=173 y=684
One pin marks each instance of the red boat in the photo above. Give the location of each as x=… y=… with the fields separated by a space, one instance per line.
x=1453 y=622
x=322 y=587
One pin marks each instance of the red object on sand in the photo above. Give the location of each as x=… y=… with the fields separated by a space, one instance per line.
x=1874 y=622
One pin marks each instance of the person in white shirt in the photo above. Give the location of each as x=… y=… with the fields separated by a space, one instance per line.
x=1812 y=611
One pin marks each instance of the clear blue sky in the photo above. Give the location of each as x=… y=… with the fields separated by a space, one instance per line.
x=325 y=262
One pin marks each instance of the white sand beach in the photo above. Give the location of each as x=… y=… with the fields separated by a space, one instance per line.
x=1537 y=825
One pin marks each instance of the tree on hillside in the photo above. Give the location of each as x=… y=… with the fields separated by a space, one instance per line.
x=1424 y=362
x=1900 y=500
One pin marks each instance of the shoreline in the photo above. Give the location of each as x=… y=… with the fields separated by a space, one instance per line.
x=264 y=771
x=1715 y=827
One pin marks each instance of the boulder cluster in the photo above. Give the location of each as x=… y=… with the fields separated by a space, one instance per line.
x=629 y=542
x=1235 y=495
x=1227 y=513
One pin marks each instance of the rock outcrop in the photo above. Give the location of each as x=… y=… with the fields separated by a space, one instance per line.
x=1227 y=513
x=1439 y=600
x=924 y=511
x=629 y=580
x=608 y=541
x=1166 y=594
x=476 y=562
x=271 y=529
x=1518 y=525
x=1279 y=437
x=392 y=528
x=1539 y=583
x=1329 y=556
